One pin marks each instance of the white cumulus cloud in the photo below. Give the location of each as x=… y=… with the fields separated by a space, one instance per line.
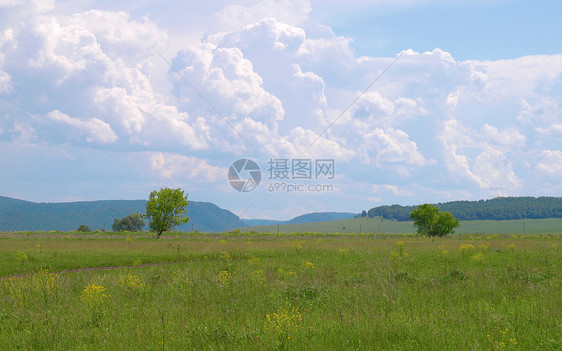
x=96 y=130
x=184 y=168
x=550 y=163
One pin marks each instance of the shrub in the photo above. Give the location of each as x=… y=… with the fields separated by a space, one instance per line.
x=83 y=228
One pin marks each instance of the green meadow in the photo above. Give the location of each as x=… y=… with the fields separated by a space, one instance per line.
x=280 y=292
x=378 y=225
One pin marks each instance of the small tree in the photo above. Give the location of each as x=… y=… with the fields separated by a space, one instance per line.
x=83 y=228
x=165 y=209
x=429 y=221
x=129 y=223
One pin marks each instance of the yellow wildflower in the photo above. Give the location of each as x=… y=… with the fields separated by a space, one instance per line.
x=479 y=257
x=258 y=276
x=130 y=282
x=224 y=278
x=180 y=281
x=224 y=256
x=21 y=256
x=297 y=244
x=13 y=287
x=45 y=280
x=94 y=295
x=466 y=247
x=291 y=274
x=284 y=321
x=253 y=261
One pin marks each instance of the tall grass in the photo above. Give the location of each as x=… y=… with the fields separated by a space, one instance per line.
x=294 y=293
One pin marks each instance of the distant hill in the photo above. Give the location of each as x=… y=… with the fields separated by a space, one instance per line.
x=19 y=215
x=305 y=218
x=321 y=217
x=500 y=208
x=252 y=222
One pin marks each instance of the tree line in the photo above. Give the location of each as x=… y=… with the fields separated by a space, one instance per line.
x=500 y=208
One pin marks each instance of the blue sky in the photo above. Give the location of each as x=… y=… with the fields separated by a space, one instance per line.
x=469 y=110
x=482 y=30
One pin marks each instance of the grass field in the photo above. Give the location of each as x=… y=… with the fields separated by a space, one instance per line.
x=377 y=225
x=275 y=292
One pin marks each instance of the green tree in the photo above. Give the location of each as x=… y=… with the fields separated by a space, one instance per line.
x=129 y=223
x=83 y=228
x=429 y=221
x=165 y=209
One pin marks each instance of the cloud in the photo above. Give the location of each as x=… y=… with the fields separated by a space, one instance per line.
x=6 y=39
x=383 y=127
x=523 y=76
x=223 y=67
x=97 y=65
x=96 y=130
x=268 y=72
x=228 y=80
x=11 y=3
x=5 y=78
x=145 y=119
x=309 y=143
x=119 y=36
x=544 y=116
x=550 y=163
x=33 y=5
x=23 y=133
x=491 y=169
x=233 y=17
x=510 y=138
x=392 y=146
x=382 y=188
x=184 y=168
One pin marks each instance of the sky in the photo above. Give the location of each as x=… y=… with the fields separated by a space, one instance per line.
x=342 y=105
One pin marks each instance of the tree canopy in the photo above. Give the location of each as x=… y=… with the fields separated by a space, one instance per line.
x=165 y=210
x=83 y=228
x=429 y=221
x=500 y=208
x=129 y=223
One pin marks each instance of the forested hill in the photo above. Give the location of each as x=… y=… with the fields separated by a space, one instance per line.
x=499 y=208
x=24 y=215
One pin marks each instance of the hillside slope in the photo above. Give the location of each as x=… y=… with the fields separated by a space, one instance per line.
x=305 y=218
x=19 y=215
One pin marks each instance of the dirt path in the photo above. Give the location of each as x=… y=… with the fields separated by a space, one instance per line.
x=87 y=269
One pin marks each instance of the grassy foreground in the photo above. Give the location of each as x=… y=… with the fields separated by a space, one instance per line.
x=294 y=292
